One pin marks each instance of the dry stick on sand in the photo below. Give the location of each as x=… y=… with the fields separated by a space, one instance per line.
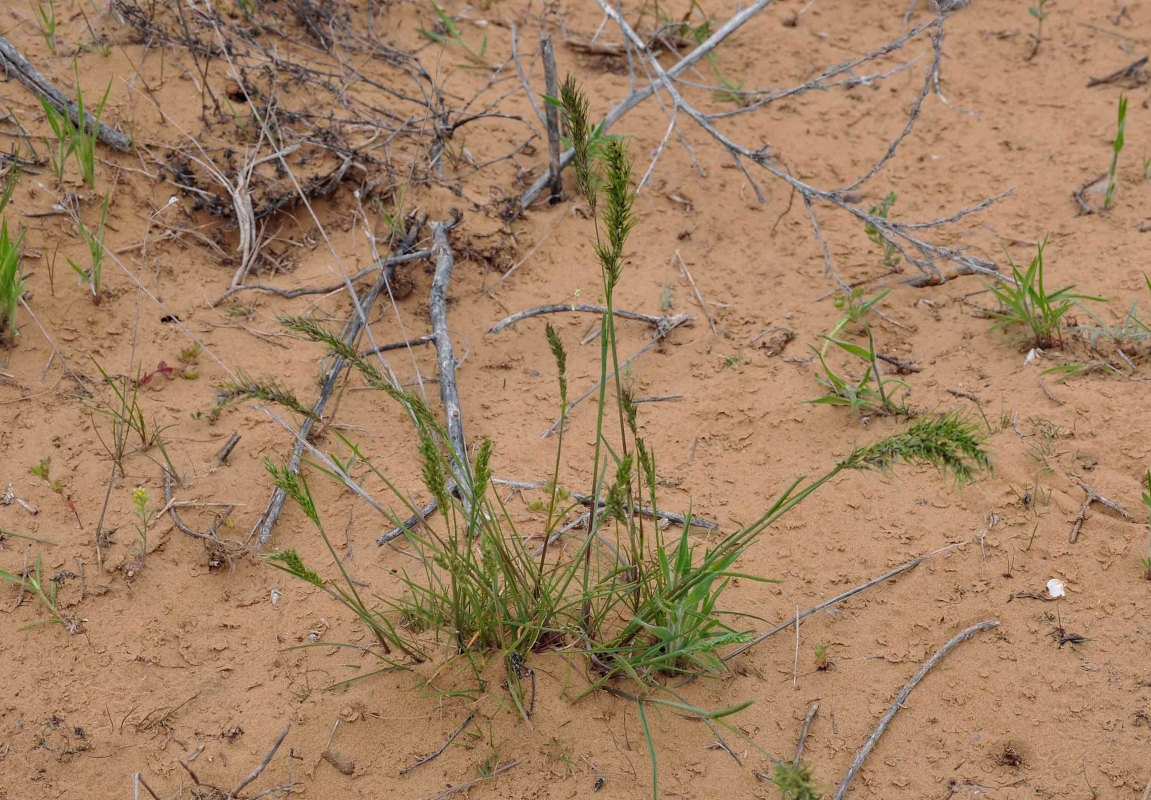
x=695 y=291
x=355 y=323
x=335 y=287
x=902 y=696
x=559 y=308
x=1093 y=497
x=1130 y=71
x=442 y=748
x=583 y=499
x=470 y=784
x=803 y=733
x=903 y=236
x=1084 y=207
x=840 y=598
x=449 y=394
x=211 y=535
x=248 y=779
x=552 y=86
x=14 y=63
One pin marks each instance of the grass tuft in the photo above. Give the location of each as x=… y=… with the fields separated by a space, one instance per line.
x=11 y=281
x=1026 y=302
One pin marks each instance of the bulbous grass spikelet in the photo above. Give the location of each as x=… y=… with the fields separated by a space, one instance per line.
x=295 y=487
x=482 y=470
x=618 y=218
x=646 y=460
x=949 y=442
x=627 y=400
x=617 y=495
x=434 y=469
x=576 y=120
x=314 y=332
x=796 y=782
x=289 y=561
x=246 y=387
x=561 y=358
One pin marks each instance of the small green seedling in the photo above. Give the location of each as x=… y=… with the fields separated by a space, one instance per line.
x=1146 y=166
x=394 y=219
x=870 y=394
x=33 y=582
x=43 y=471
x=191 y=353
x=45 y=14
x=453 y=36
x=822 y=662
x=855 y=308
x=59 y=123
x=1039 y=11
x=734 y=360
x=1116 y=148
x=11 y=281
x=95 y=242
x=891 y=255
x=1026 y=302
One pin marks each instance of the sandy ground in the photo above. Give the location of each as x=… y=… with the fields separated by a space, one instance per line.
x=186 y=656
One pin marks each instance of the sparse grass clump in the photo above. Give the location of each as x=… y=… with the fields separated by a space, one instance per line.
x=32 y=581
x=76 y=138
x=11 y=180
x=94 y=273
x=45 y=16
x=638 y=604
x=451 y=35
x=872 y=393
x=127 y=417
x=1026 y=302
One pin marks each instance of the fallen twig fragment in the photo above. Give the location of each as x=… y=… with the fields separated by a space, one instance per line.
x=1094 y=497
x=442 y=748
x=857 y=762
x=840 y=598
x=1078 y=194
x=803 y=734
x=555 y=308
x=470 y=784
x=1131 y=71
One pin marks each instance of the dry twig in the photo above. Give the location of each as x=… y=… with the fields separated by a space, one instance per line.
x=857 y=762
